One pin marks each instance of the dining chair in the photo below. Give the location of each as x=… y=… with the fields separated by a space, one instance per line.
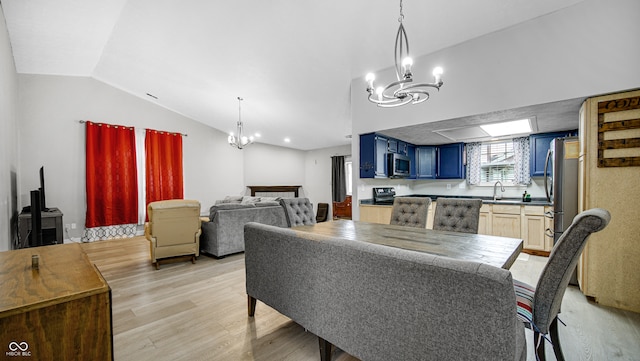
x=410 y=211
x=538 y=307
x=298 y=211
x=457 y=215
x=323 y=212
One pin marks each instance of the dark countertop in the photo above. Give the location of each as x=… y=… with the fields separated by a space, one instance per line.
x=486 y=200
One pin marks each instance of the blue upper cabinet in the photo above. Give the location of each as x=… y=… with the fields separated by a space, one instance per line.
x=373 y=161
x=539 y=146
x=450 y=161
x=411 y=153
x=425 y=160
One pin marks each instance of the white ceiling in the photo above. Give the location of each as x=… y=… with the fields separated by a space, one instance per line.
x=291 y=61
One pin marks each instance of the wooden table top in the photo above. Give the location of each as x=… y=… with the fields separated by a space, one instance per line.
x=493 y=250
x=64 y=273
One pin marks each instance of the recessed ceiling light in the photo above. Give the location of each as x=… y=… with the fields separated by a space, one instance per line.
x=287 y=140
x=257 y=135
x=507 y=128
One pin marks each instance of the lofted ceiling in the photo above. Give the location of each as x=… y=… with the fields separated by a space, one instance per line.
x=291 y=61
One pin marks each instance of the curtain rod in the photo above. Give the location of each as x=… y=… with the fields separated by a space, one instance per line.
x=182 y=134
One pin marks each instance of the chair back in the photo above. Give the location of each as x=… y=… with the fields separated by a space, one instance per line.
x=410 y=211
x=299 y=211
x=457 y=215
x=563 y=259
x=174 y=221
x=323 y=212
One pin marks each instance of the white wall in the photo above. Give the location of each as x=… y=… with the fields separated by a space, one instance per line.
x=587 y=49
x=50 y=108
x=8 y=140
x=267 y=165
x=318 y=174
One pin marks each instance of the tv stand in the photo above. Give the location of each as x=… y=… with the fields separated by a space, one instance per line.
x=52 y=227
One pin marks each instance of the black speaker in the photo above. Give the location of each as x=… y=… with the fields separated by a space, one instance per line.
x=35 y=238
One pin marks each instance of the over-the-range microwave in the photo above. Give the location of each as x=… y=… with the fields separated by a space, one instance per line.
x=398 y=165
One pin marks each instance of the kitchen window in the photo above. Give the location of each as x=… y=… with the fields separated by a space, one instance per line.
x=497 y=162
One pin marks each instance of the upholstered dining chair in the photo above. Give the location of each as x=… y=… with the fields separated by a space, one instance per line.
x=457 y=215
x=410 y=211
x=538 y=307
x=173 y=229
x=298 y=211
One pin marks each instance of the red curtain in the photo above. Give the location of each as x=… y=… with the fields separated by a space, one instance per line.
x=112 y=186
x=163 y=165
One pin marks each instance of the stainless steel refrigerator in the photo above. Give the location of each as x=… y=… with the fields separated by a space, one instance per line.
x=561 y=182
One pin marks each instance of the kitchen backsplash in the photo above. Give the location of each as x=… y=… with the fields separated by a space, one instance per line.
x=445 y=187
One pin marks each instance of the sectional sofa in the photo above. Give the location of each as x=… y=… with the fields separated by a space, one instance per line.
x=223 y=232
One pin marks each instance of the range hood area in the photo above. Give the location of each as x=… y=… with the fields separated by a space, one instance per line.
x=544 y=118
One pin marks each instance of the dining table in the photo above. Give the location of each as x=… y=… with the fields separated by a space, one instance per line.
x=493 y=250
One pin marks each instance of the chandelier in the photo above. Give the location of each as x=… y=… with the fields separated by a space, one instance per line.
x=239 y=141
x=402 y=91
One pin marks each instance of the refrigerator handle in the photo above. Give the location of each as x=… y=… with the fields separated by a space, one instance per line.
x=546 y=176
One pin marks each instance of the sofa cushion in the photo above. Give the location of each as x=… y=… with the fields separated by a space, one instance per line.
x=224 y=206
x=266 y=203
x=230 y=199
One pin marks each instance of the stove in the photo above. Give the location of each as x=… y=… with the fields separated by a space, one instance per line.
x=383 y=195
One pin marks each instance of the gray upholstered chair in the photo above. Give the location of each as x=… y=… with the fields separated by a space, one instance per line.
x=298 y=211
x=410 y=211
x=539 y=307
x=457 y=215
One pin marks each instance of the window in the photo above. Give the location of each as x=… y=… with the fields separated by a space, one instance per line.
x=497 y=162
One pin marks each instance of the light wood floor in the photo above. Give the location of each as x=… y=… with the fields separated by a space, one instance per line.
x=198 y=311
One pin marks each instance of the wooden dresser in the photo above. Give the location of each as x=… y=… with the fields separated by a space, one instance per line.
x=61 y=311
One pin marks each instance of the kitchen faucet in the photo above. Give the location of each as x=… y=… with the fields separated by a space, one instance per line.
x=495 y=196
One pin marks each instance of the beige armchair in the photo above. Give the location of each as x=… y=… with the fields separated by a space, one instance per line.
x=173 y=229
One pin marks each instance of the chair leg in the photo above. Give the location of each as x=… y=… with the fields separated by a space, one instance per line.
x=251 y=305
x=325 y=349
x=193 y=259
x=539 y=350
x=553 y=331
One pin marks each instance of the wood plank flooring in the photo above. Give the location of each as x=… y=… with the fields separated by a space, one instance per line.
x=188 y=311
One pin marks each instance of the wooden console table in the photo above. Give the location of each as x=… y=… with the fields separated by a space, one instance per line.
x=61 y=311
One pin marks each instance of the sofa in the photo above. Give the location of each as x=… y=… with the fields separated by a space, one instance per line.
x=383 y=303
x=223 y=232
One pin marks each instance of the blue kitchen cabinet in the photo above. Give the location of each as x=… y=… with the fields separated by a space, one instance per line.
x=450 y=161
x=403 y=148
x=425 y=162
x=373 y=161
x=411 y=153
x=539 y=146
